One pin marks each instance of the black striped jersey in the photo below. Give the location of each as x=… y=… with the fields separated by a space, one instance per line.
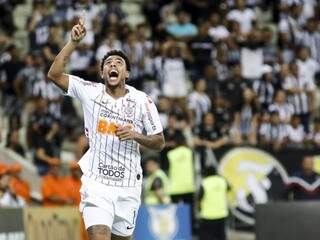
x=109 y=160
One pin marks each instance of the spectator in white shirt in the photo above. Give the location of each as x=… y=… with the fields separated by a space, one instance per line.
x=310 y=37
x=217 y=31
x=273 y=134
x=280 y=105
x=245 y=16
x=301 y=94
x=111 y=42
x=308 y=67
x=199 y=102
x=295 y=133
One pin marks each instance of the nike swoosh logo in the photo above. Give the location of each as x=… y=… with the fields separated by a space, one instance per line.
x=129 y=227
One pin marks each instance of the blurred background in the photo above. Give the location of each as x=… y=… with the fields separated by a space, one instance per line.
x=236 y=84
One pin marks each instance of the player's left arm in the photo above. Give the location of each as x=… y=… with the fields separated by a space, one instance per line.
x=155 y=141
x=153 y=138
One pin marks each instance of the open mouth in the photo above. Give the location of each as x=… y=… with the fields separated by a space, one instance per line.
x=113 y=74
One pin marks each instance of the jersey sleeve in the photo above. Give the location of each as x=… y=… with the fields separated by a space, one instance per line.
x=78 y=87
x=151 y=119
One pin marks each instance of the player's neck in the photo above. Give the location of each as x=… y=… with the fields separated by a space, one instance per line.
x=116 y=91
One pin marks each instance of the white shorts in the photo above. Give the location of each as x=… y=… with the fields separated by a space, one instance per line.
x=115 y=207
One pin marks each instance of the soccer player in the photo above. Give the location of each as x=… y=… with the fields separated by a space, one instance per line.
x=117 y=118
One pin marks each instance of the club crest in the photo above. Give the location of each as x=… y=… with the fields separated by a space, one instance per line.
x=129 y=108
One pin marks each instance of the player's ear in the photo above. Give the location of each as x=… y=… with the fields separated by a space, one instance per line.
x=127 y=74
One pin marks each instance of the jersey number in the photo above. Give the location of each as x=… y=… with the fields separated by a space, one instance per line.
x=105 y=127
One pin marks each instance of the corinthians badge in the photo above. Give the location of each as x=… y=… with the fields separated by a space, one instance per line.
x=129 y=108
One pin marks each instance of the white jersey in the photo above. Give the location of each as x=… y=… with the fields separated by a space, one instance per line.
x=109 y=160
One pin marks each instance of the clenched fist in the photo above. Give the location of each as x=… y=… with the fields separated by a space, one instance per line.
x=78 y=31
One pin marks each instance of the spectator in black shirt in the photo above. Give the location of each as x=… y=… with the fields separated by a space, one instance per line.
x=170 y=135
x=44 y=127
x=296 y=190
x=38 y=25
x=232 y=88
x=13 y=143
x=208 y=138
x=10 y=65
x=201 y=46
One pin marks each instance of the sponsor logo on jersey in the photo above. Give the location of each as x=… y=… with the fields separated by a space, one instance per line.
x=111 y=172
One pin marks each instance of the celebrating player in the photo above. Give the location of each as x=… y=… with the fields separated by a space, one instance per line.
x=117 y=118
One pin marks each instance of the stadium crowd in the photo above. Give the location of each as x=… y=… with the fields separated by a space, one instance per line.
x=221 y=72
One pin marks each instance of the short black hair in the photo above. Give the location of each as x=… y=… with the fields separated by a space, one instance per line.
x=117 y=53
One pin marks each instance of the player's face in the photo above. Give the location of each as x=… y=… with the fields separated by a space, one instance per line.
x=114 y=70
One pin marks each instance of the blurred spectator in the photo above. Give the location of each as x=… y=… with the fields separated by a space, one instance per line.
x=232 y=89
x=168 y=12
x=296 y=135
x=280 y=105
x=53 y=45
x=82 y=62
x=270 y=53
x=171 y=71
x=90 y=18
x=209 y=74
x=13 y=142
x=26 y=77
x=54 y=192
x=10 y=65
x=220 y=64
x=61 y=10
x=307 y=66
x=217 y=31
x=223 y=114
x=72 y=183
x=245 y=16
x=199 y=102
x=110 y=42
x=38 y=25
x=310 y=37
x=286 y=48
x=245 y=120
x=6 y=20
x=264 y=88
x=213 y=206
x=51 y=93
x=300 y=92
x=18 y=185
x=170 y=133
x=44 y=136
x=201 y=46
x=208 y=137
x=135 y=52
x=183 y=29
x=252 y=56
x=8 y=197
x=156 y=187
x=273 y=134
x=296 y=190
x=292 y=23
x=164 y=109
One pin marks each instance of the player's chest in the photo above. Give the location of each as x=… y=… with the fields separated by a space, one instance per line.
x=116 y=113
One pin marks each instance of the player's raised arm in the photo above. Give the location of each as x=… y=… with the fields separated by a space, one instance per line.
x=56 y=72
